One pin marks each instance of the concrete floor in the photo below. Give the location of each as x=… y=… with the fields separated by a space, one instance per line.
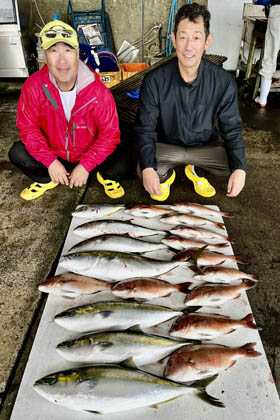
x=32 y=234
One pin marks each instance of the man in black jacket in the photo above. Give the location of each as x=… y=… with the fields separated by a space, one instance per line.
x=180 y=104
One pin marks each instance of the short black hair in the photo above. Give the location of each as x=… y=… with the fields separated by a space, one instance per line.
x=192 y=12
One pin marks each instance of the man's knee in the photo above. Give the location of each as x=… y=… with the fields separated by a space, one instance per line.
x=17 y=152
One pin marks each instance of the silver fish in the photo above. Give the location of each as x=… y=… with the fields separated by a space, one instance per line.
x=95 y=211
x=111 y=388
x=113 y=315
x=195 y=362
x=96 y=228
x=181 y=244
x=216 y=294
x=115 y=347
x=201 y=326
x=71 y=285
x=115 y=266
x=223 y=275
x=144 y=288
x=146 y=210
x=199 y=209
x=198 y=233
x=187 y=219
x=116 y=243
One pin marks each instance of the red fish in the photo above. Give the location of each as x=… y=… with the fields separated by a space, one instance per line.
x=198 y=361
x=199 y=326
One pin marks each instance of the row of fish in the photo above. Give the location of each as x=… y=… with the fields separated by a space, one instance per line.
x=153 y=368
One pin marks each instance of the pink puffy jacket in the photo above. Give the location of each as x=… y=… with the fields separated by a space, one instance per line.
x=92 y=132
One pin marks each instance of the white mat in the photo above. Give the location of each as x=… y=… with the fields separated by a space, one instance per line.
x=247 y=389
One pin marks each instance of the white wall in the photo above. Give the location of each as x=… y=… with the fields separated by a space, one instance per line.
x=226 y=26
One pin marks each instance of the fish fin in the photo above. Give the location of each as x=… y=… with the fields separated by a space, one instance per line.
x=92 y=412
x=184 y=287
x=232 y=364
x=238 y=296
x=248 y=320
x=197 y=254
x=67 y=297
x=163 y=402
x=249 y=283
x=190 y=309
x=201 y=385
x=231 y=331
x=250 y=352
x=128 y=363
x=220 y=225
x=135 y=328
x=196 y=269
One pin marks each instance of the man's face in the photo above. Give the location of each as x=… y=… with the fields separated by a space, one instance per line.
x=63 y=63
x=190 y=43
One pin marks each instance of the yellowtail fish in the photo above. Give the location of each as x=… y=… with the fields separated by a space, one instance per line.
x=116 y=243
x=181 y=244
x=146 y=210
x=116 y=347
x=223 y=275
x=201 y=326
x=187 y=219
x=147 y=288
x=198 y=233
x=206 y=257
x=70 y=285
x=199 y=209
x=216 y=294
x=97 y=228
x=115 y=266
x=194 y=362
x=111 y=388
x=95 y=211
x=114 y=315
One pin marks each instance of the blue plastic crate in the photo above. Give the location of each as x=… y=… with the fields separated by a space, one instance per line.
x=88 y=17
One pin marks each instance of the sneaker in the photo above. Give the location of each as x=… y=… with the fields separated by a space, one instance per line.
x=36 y=190
x=201 y=185
x=257 y=100
x=112 y=189
x=165 y=188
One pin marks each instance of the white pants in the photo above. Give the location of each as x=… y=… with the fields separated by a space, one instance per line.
x=272 y=43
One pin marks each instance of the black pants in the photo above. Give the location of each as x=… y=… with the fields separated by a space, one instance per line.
x=117 y=165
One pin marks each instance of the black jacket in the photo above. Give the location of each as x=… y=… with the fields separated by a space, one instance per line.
x=185 y=114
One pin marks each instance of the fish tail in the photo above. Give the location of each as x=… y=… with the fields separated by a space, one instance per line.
x=221 y=245
x=253 y=277
x=249 y=283
x=249 y=350
x=184 y=287
x=203 y=394
x=220 y=225
x=238 y=259
x=248 y=321
x=226 y=215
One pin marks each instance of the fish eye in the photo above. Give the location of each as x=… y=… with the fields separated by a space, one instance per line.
x=50 y=380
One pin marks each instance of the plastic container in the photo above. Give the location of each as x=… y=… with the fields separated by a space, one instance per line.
x=111 y=78
x=129 y=69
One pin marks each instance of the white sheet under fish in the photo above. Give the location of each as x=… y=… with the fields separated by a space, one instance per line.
x=247 y=389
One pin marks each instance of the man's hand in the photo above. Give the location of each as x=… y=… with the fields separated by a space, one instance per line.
x=151 y=181
x=236 y=182
x=58 y=173
x=78 y=177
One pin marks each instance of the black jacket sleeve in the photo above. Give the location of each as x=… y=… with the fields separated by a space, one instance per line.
x=230 y=127
x=146 y=124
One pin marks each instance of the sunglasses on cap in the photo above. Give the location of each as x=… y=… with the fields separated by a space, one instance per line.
x=53 y=33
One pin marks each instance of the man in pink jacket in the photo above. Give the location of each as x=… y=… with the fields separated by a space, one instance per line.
x=67 y=121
